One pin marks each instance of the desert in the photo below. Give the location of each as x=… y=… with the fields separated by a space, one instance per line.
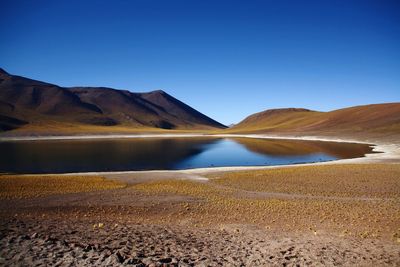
x=200 y=133
x=331 y=213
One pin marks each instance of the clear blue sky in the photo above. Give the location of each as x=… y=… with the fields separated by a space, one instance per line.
x=227 y=59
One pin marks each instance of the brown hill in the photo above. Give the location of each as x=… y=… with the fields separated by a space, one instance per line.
x=25 y=94
x=29 y=103
x=175 y=107
x=372 y=119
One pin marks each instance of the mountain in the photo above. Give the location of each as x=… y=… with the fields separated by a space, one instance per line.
x=367 y=119
x=27 y=103
x=33 y=107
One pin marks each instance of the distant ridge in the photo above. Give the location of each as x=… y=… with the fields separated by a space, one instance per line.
x=272 y=113
x=24 y=102
x=34 y=107
x=374 y=118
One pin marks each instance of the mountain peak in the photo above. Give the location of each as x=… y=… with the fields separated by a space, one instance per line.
x=2 y=71
x=278 y=111
x=98 y=106
x=281 y=110
x=158 y=91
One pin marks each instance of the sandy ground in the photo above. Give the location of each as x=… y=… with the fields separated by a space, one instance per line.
x=342 y=213
x=154 y=245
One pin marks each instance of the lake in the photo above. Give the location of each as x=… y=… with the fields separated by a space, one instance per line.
x=61 y=156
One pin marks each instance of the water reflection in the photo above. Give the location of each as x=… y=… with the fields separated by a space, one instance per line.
x=300 y=147
x=164 y=153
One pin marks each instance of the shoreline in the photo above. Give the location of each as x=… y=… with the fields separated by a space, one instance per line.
x=134 y=136
x=185 y=217
x=386 y=152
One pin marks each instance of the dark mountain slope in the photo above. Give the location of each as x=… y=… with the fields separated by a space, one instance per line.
x=154 y=109
x=36 y=102
x=178 y=108
x=19 y=93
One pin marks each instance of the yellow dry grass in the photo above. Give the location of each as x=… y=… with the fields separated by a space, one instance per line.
x=281 y=122
x=21 y=186
x=355 y=180
x=46 y=127
x=228 y=205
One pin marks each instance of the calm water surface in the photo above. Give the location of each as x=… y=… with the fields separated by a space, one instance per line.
x=61 y=156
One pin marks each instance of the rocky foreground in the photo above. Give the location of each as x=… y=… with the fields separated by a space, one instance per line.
x=339 y=215
x=55 y=243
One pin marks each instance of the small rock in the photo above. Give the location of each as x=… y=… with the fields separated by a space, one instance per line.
x=34 y=235
x=112 y=260
x=147 y=261
x=138 y=255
